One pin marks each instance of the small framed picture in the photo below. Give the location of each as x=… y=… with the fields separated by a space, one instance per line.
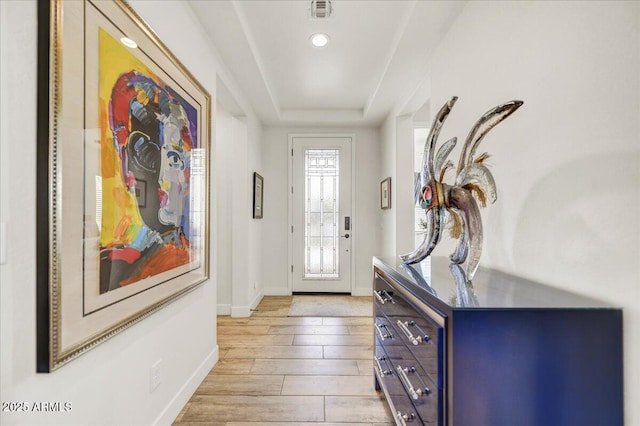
x=385 y=194
x=258 y=190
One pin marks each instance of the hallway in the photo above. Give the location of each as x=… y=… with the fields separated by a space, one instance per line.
x=277 y=370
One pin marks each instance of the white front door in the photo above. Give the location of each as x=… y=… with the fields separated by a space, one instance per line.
x=321 y=214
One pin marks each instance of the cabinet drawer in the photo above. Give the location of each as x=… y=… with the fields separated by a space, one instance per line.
x=401 y=355
x=385 y=331
x=403 y=324
x=405 y=379
x=425 y=351
x=393 y=303
x=400 y=404
x=384 y=368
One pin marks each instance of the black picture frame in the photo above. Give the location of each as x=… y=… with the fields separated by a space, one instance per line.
x=385 y=194
x=258 y=193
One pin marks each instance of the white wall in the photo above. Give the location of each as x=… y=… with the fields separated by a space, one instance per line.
x=223 y=218
x=387 y=166
x=239 y=235
x=404 y=201
x=246 y=231
x=397 y=233
x=366 y=199
x=240 y=217
x=567 y=164
x=255 y=227
x=110 y=383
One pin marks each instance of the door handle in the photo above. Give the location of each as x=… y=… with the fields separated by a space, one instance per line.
x=345 y=236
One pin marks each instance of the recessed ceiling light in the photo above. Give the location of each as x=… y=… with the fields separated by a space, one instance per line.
x=129 y=43
x=319 y=40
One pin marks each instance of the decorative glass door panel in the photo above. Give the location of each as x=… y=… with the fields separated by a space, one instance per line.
x=321 y=203
x=322 y=207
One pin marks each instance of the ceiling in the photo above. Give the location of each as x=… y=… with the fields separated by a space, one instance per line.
x=375 y=62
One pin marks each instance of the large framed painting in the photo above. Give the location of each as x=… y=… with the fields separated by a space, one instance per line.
x=123 y=176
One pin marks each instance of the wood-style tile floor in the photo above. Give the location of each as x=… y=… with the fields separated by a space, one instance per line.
x=278 y=370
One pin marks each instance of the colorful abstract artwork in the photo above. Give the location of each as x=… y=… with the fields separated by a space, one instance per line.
x=124 y=160
x=147 y=135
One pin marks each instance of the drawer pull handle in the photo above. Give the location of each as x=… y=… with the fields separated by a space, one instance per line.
x=415 y=393
x=403 y=418
x=383 y=335
x=383 y=297
x=407 y=384
x=379 y=297
x=389 y=297
x=404 y=327
x=426 y=390
x=380 y=370
x=426 y=338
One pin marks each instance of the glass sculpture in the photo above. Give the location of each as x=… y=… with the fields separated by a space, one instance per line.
x=457 y=203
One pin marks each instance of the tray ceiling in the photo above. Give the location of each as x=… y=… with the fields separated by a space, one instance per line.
x=377 y=56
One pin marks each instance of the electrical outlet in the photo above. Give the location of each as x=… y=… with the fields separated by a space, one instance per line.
x=255 y=286
x=155 y=377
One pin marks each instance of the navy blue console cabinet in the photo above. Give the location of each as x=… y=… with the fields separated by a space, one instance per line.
x=499 y=350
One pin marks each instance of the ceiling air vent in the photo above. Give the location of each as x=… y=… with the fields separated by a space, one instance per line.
x=320 y=9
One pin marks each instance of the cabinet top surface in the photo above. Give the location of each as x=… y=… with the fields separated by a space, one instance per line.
x=436 y=279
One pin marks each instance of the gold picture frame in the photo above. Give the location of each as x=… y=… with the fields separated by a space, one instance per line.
x=124 y=135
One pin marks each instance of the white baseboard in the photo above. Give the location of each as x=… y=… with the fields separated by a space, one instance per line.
x=224 y=309
x=362 y=291
x=256 y=300
x=240 y=312
x=173 y=408
x=245 y=311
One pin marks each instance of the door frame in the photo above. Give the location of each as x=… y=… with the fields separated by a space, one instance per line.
x=354 y=224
